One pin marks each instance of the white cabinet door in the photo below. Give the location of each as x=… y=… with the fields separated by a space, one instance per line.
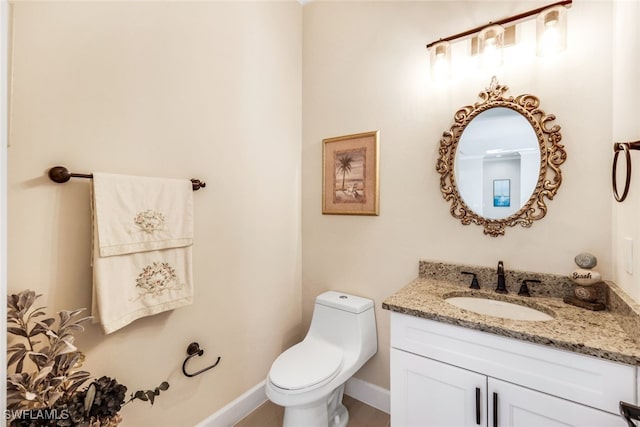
x=426 y=393
x=521 y=407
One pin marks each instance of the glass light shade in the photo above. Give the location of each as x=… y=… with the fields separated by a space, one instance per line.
x=440 y=60
x=551 y=31
x=490 y=44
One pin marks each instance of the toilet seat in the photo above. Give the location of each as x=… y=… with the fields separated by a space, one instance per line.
x=306 y=365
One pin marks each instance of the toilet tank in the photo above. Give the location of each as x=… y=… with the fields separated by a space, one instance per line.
x=344 y=302
x=347 y=321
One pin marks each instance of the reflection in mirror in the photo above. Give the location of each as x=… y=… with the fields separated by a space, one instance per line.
x=497 y=163
x=500 y=160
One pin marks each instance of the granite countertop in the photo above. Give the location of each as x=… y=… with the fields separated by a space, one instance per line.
x=608 y=334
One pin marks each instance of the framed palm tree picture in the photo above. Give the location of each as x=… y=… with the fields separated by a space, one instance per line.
x=350 y=175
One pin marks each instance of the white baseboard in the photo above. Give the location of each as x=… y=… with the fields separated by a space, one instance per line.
x=370 y=394
x=237 y=409
x=242 y=406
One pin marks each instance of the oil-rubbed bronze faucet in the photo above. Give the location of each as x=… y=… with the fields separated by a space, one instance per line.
x=524 y=289
x=501 y=288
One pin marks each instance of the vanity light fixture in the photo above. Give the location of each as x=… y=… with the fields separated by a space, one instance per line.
x=551 y=37
x=490 y=45
x=551 y=31
x=440 y=59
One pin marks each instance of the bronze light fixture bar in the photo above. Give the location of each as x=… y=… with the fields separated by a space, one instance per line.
x=500 y=22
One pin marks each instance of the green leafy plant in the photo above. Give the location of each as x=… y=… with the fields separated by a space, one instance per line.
x=46 y=370
x=149 y=395
x=48 y=347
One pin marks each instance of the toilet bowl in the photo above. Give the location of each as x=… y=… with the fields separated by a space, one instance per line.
x=308 y=379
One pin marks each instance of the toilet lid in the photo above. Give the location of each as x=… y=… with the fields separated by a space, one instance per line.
x=306 y=364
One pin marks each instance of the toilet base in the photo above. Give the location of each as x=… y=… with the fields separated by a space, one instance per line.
x=341 y=418
x=323 y=413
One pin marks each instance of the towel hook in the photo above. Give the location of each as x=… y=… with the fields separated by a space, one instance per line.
x=617 y=147
x=195 y=350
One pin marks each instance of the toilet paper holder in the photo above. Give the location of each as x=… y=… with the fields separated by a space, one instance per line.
x=194 y=350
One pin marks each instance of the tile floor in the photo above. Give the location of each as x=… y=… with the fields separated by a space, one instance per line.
x=360 y=415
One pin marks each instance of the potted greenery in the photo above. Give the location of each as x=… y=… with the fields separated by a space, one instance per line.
x=45 y=385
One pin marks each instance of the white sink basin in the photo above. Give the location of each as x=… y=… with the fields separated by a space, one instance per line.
x=495 y=308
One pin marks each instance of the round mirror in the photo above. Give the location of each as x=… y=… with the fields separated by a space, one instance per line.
x=499 y=161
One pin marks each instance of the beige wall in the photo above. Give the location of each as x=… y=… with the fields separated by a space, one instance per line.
x=365 y=68
x=626 y=110
x=214 y=91
x=178 y=89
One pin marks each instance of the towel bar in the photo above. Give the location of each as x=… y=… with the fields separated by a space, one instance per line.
x=195 y=350
x=60 y=174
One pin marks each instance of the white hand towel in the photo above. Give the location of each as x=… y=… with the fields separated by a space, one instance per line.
x=128 y=287
x=136 y=214
x=139 y=282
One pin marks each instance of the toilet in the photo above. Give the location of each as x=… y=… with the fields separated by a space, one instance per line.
x=308 y=379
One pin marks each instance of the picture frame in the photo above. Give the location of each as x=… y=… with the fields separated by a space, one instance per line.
x=501 y=193
x=350 y=174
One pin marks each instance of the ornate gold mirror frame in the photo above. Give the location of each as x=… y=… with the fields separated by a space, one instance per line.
x=552 y=155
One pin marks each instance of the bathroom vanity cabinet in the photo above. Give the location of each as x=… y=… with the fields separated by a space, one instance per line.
x=447 y=375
